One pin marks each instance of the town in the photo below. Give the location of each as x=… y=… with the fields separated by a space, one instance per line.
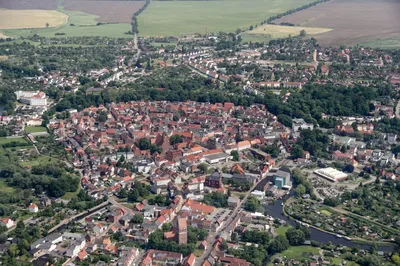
x=210 y=152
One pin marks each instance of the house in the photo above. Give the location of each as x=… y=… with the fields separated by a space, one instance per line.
x=233 y=202
x=8 y=222
x=47 y=243
x=33 y=208
x=190 y=261
x=160 y=257
x=214 y=180
x=299 y=124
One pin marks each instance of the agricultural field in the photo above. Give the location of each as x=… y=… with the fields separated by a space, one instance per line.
x=24 y=140
x=3 y=58
x=107 y=11
x=19 y=19
x=174 y=18
x=278 y=31
x=79 y=24
x=29 y=4
x=353 y=22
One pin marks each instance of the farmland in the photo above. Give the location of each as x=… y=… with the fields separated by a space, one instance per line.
x=173 y=18
x=16 y=19
x=79 y=24
x=29 y=4
x=107 y=11
x=277 y=31
x=352 y=22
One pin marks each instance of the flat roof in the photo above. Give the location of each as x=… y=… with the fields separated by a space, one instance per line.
x=331 y=174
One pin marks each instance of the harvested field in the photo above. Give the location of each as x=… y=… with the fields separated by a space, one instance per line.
x=21 y=19
x=108 y=11
x=2 y=36
x=29 y=4
x=353 y=21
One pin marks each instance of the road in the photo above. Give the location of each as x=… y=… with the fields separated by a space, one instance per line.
x=211 y=239
x=315 y=58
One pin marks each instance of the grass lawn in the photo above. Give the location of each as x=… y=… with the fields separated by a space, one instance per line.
x=4 y=140
x=296 y=253
x=35 y=129
x=173 y=18
x=4 y=188
x=71 y=195
x=39 y=160
x=281 y=230
x=79 y=24
x=326 y=212
x=198 y=252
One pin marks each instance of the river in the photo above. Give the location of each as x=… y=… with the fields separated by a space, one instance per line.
x=276 y=212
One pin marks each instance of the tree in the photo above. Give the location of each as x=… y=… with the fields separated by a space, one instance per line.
x=279 y=244
x=123 y=193
x=203 y=168
x=137 y=219
x=144 y=144
x=300 y=190
x=102 y=117
x=297 y=151
x=175 y=139
x=349 y=168
x=252 y=204
x=303 y=33
x=235 y=155
x=47 y=25
x=295 y=237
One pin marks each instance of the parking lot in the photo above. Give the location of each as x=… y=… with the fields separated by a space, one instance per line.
x=220 y=214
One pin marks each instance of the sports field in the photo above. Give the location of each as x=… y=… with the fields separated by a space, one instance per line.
x=173 y=18
x=35 y=129
x=79 y=24
x=17 y=19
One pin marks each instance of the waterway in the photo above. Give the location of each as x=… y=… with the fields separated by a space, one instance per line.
x=276 y=211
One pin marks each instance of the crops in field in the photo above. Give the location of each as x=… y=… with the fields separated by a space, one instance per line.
x=19 y=19
x=29 y=4
x=107 y=11
x=352 y=21
x=173 y=18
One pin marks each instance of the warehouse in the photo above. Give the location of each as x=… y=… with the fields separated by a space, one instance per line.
x=331 y=174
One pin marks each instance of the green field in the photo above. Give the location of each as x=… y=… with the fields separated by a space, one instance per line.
x=4 y=140
x=35 y=129
x=172 y=18
x=39 y=160
x=297 y=253
x=393 y=43
x=326 y=212
x=5 y=189
x=85 y=25
x=281 y=230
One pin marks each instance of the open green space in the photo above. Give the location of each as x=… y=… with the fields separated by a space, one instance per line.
x=281 y=230
x=4 y=188
x=326 y=212
x=4 y=140
x=35 y=129
x=39 y=160
x=173 y=18
x=71 y=195
x=339 y=261
x=79 y=24
x=296 y=253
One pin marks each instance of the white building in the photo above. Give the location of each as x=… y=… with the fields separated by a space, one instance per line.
x=35 y=98
x=258 y=194
x=7 y=222
x=331 y=174
x=299 y=124
x=33 y=208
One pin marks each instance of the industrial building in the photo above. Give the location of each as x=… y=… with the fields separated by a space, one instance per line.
x=331 y=174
